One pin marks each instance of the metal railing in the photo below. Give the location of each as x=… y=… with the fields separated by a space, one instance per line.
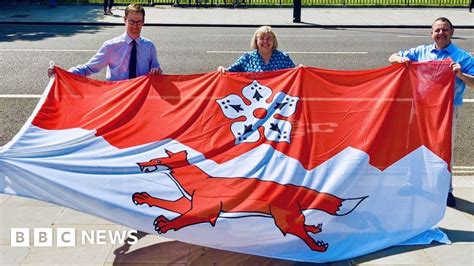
x=316 y=3
x=387 y=2
x=276 y=3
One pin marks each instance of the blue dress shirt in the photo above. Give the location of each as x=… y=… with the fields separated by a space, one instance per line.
x=424 y=53
x=115 y=55
x=253 y=62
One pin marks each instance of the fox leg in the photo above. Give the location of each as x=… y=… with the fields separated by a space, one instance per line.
x=292 y=222
x=203 y=210
x=314 y=228
x=180 y=205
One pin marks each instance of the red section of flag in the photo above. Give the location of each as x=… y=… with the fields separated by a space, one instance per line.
x=385 y=112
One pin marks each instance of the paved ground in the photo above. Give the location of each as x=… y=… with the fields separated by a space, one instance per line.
x=19 y=212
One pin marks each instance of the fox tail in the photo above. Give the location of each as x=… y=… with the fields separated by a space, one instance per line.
x=331 y=204
x=348 y=205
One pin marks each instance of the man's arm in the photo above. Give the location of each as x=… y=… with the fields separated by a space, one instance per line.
x=396 y=58
x=468 y=79
x=155 y=68
x=96 y=63
x=156 y=71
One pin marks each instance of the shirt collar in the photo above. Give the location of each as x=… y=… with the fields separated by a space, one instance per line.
x=449 y=49
x=129 y=40
x=257 y=53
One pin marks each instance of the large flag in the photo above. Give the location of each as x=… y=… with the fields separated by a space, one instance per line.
x=303 y=164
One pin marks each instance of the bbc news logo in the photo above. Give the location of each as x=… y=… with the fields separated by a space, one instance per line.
x=67 y=237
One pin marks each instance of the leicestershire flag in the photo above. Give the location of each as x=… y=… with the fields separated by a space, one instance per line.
x=304 y=164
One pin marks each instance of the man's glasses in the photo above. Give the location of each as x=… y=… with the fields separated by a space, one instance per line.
x=135 y=22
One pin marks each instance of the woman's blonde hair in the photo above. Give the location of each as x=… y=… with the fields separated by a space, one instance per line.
x=264 y=30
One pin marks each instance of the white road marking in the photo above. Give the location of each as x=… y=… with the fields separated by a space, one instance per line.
x=288 y=52
x=463 y=167
x=20 y=96
x=279 y=35
x=327 y=52
x=46 y=50
x=413 y=36
x=427 y=36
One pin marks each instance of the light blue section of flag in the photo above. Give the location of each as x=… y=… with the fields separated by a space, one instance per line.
x=76 y=169
x=427 y=237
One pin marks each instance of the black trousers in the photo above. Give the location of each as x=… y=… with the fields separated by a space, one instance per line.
x=108 y=4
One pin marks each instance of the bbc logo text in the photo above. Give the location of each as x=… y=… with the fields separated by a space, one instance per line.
x=68 y=237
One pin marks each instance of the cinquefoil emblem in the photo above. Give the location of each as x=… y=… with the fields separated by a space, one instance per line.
x=259 y=113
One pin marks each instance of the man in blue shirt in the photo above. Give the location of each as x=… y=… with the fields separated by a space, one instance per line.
x=116 y=54
x=463 y=66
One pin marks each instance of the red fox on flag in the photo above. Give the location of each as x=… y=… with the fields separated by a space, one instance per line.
x=209 y=196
